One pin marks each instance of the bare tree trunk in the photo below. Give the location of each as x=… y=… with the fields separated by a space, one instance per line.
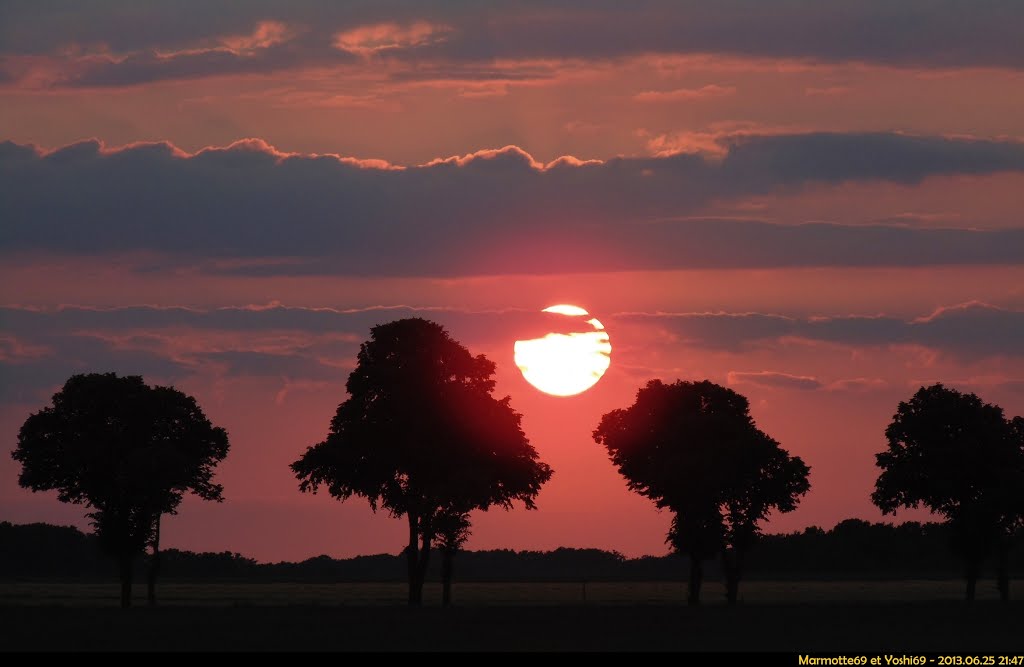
x=696 y=578
x=731 y=565
x=126 y=580
x=424 y=560
x=154 y=565
x=973 y=570
x=1003 y=575
x=412 y=556
x=447 y=563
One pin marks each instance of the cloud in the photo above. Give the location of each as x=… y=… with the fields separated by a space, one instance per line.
x=268 y=47
x=487 y=212
x=292 y=365
x=296 y=347
x=857 y=384
x=29 y=379
x=370 y=40
x=971 y=331
x=151 y=66
x=300 y=347
x=685 y=94
x=914 y=33
x=980 y=384
x=773 y=380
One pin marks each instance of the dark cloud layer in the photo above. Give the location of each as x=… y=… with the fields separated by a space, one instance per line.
x=493 y=212
x=970 y=331
x=923 y=33
x=149 y=67
x=322 y=343
x=40 y=349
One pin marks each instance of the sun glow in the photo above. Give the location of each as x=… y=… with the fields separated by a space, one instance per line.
x=566 y=364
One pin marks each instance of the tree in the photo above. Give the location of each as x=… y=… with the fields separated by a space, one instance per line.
x=189 y=449
x=693 y=448
x=127 y=451
x=1012 y=486
x=421 y=433
x=960 y=458
x=766 y=478
x=453 y=529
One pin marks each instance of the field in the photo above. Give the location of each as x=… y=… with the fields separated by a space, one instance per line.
x=902 y=616
x=490 y=594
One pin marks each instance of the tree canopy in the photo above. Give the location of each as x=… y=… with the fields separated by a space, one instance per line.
x=421 y=434
x=126 y=450
x=692 y=447
x=961 y=458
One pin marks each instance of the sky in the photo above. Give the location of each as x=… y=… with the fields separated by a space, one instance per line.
x=815 y=204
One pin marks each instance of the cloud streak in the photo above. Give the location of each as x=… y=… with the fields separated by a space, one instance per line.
x=913 y=33
x=773 y=380
x=970 y=331
x=685 y=94
x=41 y=347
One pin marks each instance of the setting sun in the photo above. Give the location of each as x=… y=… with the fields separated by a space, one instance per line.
x=566 y=364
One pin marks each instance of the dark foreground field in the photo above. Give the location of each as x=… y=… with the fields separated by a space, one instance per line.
x=894 y=627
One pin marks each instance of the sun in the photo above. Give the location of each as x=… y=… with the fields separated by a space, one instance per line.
x=566 y=364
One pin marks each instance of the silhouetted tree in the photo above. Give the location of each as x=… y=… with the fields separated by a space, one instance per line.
x=693 y=448
x=765 y=479
x=1014 y=502
x=696 y=531
x=960 y=458
x=453 y=529
x=189 y=448
x=420 y=433
x=124 y=449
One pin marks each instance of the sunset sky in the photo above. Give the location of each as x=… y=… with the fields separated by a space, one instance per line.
x=817 y=204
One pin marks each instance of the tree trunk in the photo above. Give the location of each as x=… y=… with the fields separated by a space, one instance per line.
x=126 y=580
x=696 y=577
x=447 y=562
x=154 y=566
x=1003 y=575
x=424 y=560
x=412 y=558
x=731 y=566
x=973 y=570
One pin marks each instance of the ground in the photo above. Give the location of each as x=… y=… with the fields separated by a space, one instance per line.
x=893 y=617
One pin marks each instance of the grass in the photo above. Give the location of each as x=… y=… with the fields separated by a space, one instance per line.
x=800 y=616
x=490 y=594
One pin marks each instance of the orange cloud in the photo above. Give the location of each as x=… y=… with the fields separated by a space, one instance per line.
x=370 y=40
x=514 y=152
x=266 y=34
x=714 y=141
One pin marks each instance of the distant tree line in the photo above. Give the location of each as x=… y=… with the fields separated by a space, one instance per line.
x=852 y=549
x=421 y=436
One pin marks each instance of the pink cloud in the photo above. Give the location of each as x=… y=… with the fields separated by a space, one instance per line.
x=369 y=40
x=513 y=152
x=14 y=349
x=857 y=384
x=265 y=35
x=714 y=140
x=685 y=94
x=249 y=144
x=773 y=380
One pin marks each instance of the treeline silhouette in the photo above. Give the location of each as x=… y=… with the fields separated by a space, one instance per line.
x=852 y=549
x=421 y=437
